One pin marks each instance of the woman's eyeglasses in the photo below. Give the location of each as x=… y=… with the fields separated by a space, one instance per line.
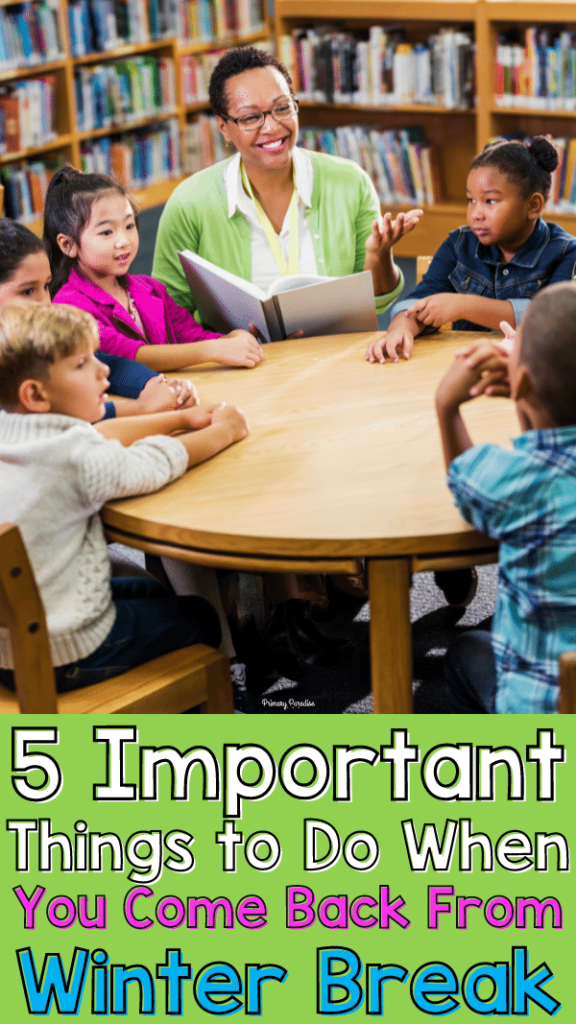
x=281 y=112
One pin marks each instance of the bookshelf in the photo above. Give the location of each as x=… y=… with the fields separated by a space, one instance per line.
x=69 y=139
x=455 y=134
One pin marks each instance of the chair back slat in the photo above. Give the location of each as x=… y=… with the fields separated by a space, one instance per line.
x=22 y=613
x=422 y=264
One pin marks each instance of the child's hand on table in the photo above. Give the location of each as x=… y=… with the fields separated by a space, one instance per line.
x=388 y=344
x=238 y=348
x=186 y=394
x=435 y=310
x=233 y=418
x=156 y=396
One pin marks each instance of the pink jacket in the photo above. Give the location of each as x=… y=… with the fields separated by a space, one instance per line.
x=164 y=321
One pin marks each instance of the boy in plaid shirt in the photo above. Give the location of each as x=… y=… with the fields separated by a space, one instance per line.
x=525 y=498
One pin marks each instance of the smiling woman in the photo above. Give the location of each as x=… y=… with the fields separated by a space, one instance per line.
x=273 y=208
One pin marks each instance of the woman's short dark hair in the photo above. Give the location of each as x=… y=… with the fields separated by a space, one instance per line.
x=528 y=164
x=234 y=62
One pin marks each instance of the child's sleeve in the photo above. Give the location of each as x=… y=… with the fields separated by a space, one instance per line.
x=127 y=377
x=435 y=280
x=490 y=484
x=105 y=469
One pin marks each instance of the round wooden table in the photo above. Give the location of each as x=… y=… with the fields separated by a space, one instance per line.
x=343 y=462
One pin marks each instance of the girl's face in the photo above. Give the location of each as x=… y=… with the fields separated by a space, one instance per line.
x=30 y=281
x=270 y=146
x=109 y=241
x=498 y=211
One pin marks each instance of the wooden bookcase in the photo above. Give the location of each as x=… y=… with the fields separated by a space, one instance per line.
x=457 y=135
x=68 y=138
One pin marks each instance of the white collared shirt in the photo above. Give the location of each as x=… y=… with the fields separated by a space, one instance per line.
x=264 y=266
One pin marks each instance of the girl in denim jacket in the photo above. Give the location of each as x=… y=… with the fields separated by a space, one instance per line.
x=488 y=271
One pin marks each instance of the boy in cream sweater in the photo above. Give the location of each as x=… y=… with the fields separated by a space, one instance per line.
x=58 y=471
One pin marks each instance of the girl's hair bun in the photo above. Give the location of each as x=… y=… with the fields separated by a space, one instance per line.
x=544 y=152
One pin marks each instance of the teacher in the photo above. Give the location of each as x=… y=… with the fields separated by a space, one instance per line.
x=272 y=208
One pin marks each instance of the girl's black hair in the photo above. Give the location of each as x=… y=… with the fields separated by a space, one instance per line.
x=528 y=164
x=69 y=200
x=234 y=62
x=16 y=243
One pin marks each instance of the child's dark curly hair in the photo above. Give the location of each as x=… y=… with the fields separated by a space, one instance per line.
x=234 y=62
x=528 y=164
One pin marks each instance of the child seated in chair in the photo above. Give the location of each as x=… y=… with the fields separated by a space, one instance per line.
x=525 y=499
x=57 y=473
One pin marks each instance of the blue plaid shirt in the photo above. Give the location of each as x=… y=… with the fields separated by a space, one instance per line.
x=466 y=266
x=526 y=499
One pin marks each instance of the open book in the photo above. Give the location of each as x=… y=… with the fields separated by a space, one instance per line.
x=315 y=305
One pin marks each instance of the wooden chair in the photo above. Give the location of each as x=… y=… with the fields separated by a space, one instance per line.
x=422 y=264
x=174 y=683
x=567 y=701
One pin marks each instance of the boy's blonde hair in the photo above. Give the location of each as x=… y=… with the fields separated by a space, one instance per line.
x=33 y=338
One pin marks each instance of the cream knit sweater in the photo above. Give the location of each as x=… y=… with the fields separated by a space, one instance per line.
x=56 y=473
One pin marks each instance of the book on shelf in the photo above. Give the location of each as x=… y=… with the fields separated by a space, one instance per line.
x=30 y=34
x=203 y=144
x=102 y=25
x=401 y=163
x=28 y=114
x=315 y=305
x=140 y=158
x=202 y=21
x=379 y=66
x=563 y=188
x=124 y=91
x=25 y=187
x=536 y=69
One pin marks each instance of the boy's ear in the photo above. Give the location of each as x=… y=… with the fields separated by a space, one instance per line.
x=522 y=386
x=536 y=204
x=67 y=245
x=33 y=396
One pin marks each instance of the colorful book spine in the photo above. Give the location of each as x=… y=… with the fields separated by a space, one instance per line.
x=25 y=187
x=400 y=163
x=384 y=69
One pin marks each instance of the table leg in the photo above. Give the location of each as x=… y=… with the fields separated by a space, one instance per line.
x=390 y=635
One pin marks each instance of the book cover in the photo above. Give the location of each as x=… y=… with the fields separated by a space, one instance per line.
x=315 y=305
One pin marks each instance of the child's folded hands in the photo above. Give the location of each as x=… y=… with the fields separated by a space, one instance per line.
x=489 y=359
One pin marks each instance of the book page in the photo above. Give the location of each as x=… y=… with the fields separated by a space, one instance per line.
x=290 y=281
x=341 y=305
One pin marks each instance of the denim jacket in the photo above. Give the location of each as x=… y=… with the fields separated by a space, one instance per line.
x=468 y=267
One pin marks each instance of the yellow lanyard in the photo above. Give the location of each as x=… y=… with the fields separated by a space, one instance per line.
x=293 y=256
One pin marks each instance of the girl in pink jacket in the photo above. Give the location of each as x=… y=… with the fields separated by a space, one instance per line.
x=91 y=236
